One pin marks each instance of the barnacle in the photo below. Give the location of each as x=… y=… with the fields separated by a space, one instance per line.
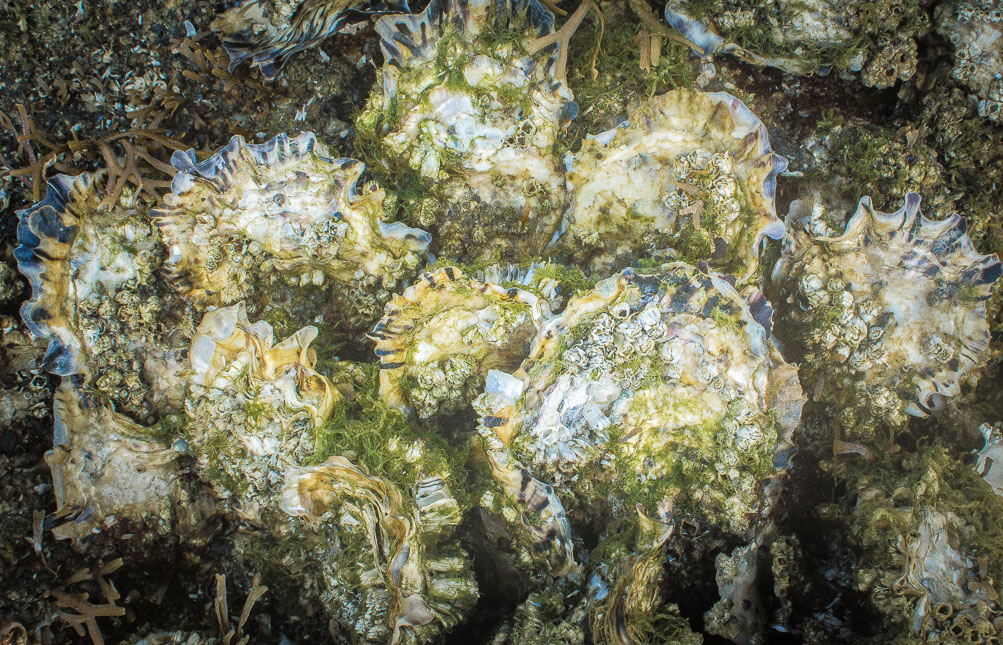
x=466 y=113
x=891 y=312
x=285 y=212
x=690 y=176
x=440 y=337
x=976 y=31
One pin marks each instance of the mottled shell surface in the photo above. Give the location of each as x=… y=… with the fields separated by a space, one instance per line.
x=690 y=176
x=253 y=406
x=891 y=311
x=405 y=580
x=438 y=340
x=472 y=114
x=92 y=269
x=816 y=24
x=107 y=467
x=268 y=32
x=252 y=214
x=658 y=391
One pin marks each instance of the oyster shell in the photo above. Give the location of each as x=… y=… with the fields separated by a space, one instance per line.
x=440 y=337
x=651 y=383
x=989 y=460
x=395 y=576
x=469 y=116
x=106 y=468
x=690 y=171
x=284 y=211
x=253 y=407
x=268 y=32
x=890 y=312
x=92 y=269
x=878 y=39
x=656 y=395
x=927 y=527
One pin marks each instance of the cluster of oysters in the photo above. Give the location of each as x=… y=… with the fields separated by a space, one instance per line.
x=213 y=350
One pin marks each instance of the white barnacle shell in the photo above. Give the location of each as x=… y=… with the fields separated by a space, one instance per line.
x=106 y=468
x=478 y=118
x=449 y=327
x=917 y=285
x=620 y=431
x=285 y=207
x=414 y=581
x=689 y=171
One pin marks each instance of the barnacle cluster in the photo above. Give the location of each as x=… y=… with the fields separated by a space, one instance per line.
x=976 y=31
x=577 y=394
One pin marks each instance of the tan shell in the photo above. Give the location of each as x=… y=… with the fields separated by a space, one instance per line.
x=284 y=208
x=439 y=338
x=426 y=590
x=106 y=467
x=690 y=176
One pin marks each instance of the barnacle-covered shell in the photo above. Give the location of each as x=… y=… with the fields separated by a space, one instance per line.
x=106 y=467
x=413 y=581
x=891 y=312
x=976 y=31
x=440 y=337
x=656 y=392
x=268 y=32
x=284 y=211
x=688 y=171
x=478 y=119
x=253 y=406
x=91 y=266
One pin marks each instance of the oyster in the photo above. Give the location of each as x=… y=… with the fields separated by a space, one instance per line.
x=440 y=337
x=927 y=530
x=465 y=115
x=688 y=171
x=655 y=400
x=92 y=269
x=253 y=407
x=976 y=31
x=106 y=468
x=989 y=461
x=878 y=39
x=268 y=32
x=890 y=314
x=396 y=575
x=283 y=212
x=657 y=389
